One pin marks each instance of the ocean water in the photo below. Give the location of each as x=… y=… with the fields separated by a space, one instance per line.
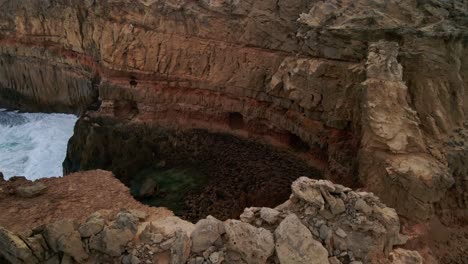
x=34 y=144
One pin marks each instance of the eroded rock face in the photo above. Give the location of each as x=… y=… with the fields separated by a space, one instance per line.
x=394 y=154
x=301 y=233
x=326 y=78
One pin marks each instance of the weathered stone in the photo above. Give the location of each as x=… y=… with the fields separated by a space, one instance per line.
x=340 y=232
x=148 y=188
x=305 y=189
x=338 y=207
x=111 y=241
x=168 y=243
x=66 y=259
x=269 y=215
x=38 y=246
x=130 y=259
x=334 y=260
x=205 y=234
x=253 y=245
x=33 y=190
x=362 y=206
x=295 y=244
x=150 y=235
x=53 y=232
x=126 y=220
x=324 y=232
x=14 y=249
x=216 y=257
x=248 y=215
x=169 y=225
x=141 y=215
x=91 y=227
x=71 y=245
x=403 y=256
x=180 y=250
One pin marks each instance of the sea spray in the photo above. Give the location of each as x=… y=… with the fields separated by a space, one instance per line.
x=33 y=144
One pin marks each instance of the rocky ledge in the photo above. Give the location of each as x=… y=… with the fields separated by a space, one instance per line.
x=321 y=223
x=26 y=205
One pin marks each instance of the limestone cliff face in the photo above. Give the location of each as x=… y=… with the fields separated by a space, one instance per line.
x=385 y=79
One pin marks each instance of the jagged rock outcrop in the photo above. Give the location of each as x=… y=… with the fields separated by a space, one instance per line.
x=302 y=232
x=395 y=157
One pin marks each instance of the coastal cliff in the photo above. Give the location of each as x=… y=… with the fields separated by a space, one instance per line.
x=370 y=94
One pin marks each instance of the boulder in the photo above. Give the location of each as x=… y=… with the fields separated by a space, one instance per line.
x=362 y=206
x=180 y=250
x=130 y=259
x=38 y=246
x=113 y=238
x=269 y=215
x=32 y=190
x=304 y=189
x=206 y=233
x=169 y=225
x=248 y=215
x=141 y=215
x=148 y=188
x=91 y=227
x=296 y=245
x=126 y=220
x=151 y=235
x=216 y=257
x=249 y=243
x=111 y=241
x=62 y=236
x=403 y=256
x=54 y=231
x=71 y=245
x=14 y=249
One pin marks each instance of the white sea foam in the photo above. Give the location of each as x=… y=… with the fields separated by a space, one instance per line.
x=33 y=144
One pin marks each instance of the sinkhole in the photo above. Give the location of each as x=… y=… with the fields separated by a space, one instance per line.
x=193 y=172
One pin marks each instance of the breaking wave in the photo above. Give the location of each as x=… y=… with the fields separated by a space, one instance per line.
x=33 y=144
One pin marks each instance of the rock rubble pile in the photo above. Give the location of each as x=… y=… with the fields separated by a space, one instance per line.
x=322 y=222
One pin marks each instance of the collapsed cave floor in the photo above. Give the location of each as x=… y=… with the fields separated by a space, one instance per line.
x=196 y=173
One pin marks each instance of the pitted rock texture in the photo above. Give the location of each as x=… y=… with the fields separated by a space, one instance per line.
x=301 y=232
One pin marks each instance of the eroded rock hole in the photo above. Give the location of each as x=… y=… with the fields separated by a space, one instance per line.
x=133 y=82
x=236 y=120
x=192 y=172
x=297 y=143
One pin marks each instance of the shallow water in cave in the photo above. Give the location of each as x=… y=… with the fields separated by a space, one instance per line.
x=172 y=185
x=33 y=144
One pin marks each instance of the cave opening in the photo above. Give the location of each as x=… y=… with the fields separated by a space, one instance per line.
x=193 y=172
x=297 y=143
x=235 y=120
